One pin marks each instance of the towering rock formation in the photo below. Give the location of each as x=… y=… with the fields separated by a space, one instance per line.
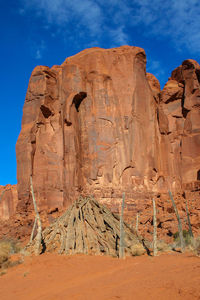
x=89 y=125
x=179 y=123
x=99 y=124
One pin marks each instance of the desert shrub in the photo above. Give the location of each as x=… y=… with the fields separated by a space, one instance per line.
x=2 y=273
x=195 y=246
x=7 y=247
x=162 y=246
x=186 y=235
x=137 y=250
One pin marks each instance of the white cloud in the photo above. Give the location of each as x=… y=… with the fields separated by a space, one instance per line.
x=38 y=54
x=178 y=20
x=87 y=16
x=37 y=49
x=119 y=37
x=83 y=12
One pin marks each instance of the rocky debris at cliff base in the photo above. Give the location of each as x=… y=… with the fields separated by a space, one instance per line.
x=89 y=228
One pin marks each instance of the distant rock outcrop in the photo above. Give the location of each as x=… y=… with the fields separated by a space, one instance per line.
x=99 y=124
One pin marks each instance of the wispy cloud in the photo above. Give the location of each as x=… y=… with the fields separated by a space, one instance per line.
x=178 y=20
x=118 y=36
x=37 y=49
x=38 y=54
x=96 y=19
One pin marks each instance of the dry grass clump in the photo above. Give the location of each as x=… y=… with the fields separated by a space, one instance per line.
x=162 y=246
x=186 y=236
x=195 y=246
x=137 y=250
x=192 y=244
x=7 y=248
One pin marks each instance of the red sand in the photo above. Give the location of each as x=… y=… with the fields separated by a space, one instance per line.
x=56 y=277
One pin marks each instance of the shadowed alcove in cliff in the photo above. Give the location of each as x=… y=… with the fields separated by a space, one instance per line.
x=198 y=75
x=45 y=111
x=198 y=175
x=78 y=98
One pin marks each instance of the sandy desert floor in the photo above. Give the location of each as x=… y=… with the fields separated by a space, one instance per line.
x=55 y=277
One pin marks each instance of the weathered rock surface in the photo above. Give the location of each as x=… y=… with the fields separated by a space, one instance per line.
x=99 y=124
x=89 y=126
x=179 y=123
x=8 y=201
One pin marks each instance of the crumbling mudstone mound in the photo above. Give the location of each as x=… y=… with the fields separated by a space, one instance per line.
x=90 y=228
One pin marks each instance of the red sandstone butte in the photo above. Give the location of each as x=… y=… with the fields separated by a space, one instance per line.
x=99 y=125
x=89 y=125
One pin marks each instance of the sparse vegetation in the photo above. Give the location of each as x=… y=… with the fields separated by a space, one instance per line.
x=137 y=222
x=195 y=246
x=188 y=219
x=154 y=229
x=121 y=245
x=163 y=247
x=186 y=236
x=191 y=243
x=7 y=248
x=2 y=273
x=180 y=230
x=137 y=250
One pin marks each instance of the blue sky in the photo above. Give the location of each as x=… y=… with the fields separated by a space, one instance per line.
x=45 y=32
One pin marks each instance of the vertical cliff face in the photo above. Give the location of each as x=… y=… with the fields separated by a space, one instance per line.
x=89 y=125
x=99 y=125
x=179 y=123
